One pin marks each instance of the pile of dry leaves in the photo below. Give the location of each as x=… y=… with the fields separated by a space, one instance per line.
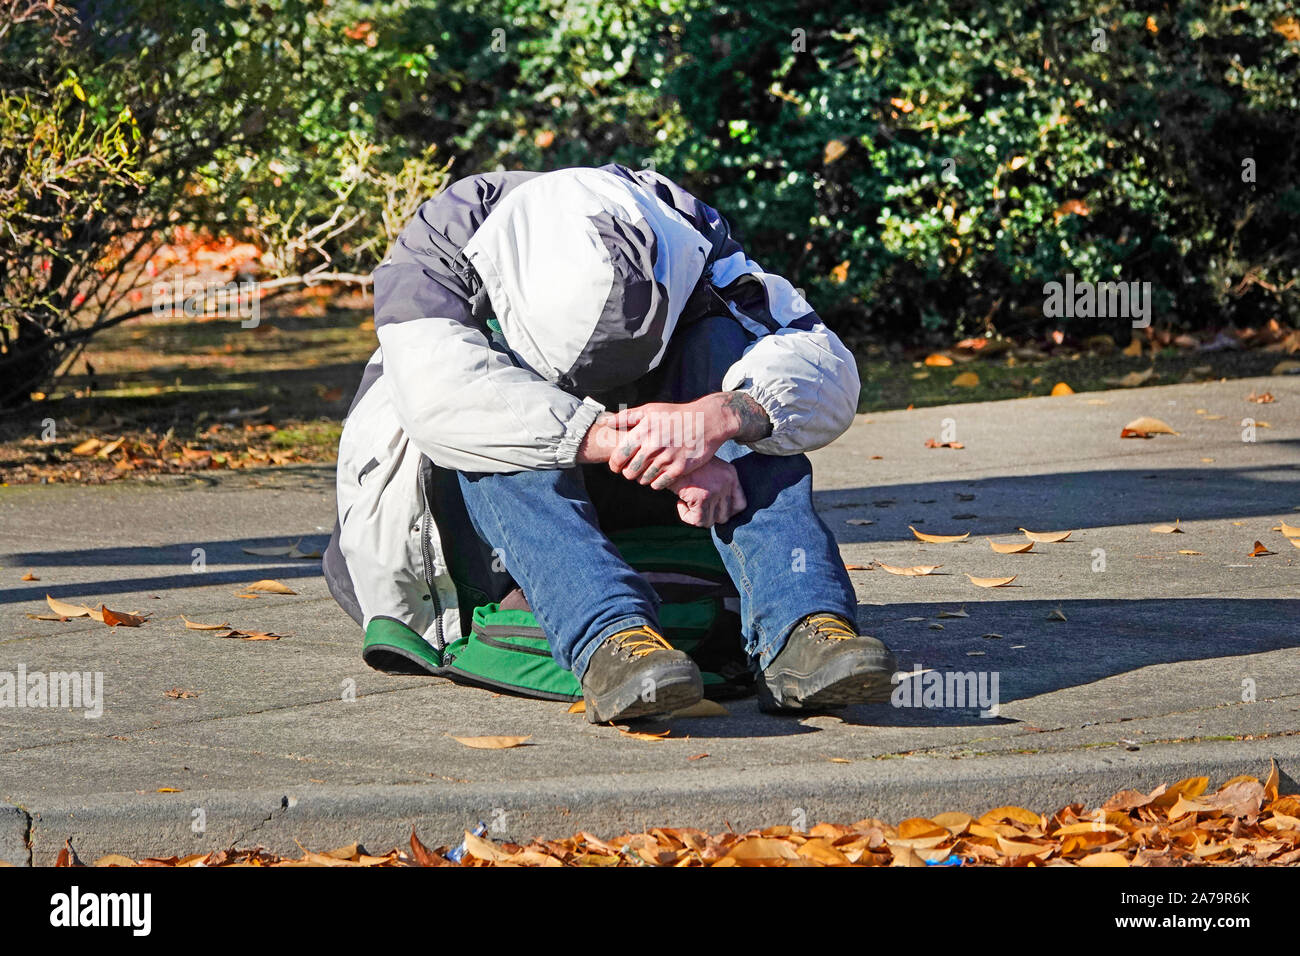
x=1244 y=823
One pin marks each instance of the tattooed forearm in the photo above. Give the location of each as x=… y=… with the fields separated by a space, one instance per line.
x=753 y=423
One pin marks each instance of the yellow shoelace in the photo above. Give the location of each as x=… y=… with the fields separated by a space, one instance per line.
x=641 y=641
x=831 y=627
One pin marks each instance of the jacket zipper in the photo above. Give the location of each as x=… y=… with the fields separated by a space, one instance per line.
x=426 y=549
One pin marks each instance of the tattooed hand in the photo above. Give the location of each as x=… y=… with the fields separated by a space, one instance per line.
x=662 y=442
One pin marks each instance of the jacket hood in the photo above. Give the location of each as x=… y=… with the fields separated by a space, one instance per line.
x=587 y=273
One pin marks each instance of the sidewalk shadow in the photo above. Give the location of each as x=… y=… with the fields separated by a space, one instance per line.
x=177 y=564
x=1060 y=501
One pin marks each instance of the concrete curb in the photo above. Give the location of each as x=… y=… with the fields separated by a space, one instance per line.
x=14 y=827
x=381 y=817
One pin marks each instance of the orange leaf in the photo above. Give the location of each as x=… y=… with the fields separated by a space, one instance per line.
x=938 y=538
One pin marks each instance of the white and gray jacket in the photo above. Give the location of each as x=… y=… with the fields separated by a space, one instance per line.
x=507 y=302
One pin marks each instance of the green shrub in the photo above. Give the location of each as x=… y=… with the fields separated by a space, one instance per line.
x=990 y=148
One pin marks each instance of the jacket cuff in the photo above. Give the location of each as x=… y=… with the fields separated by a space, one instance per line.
x=782 y=420
x=566 y=452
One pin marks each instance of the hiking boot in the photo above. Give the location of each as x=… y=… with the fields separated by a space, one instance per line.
x=825 y=663
x=636 y=673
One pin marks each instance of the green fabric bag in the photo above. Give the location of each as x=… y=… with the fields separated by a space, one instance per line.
x=506 y=650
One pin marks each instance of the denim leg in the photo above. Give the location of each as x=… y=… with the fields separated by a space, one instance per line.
x=781 y=556
x=545 y=527
x=783 y=559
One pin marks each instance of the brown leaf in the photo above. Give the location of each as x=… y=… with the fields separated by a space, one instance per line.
x=833 y=151
x=177 y=694
x=120 y=618
x=1145 y=428
x=196 y=626
x=29 y=577
x=1046 y=537
x=63 y=609
x=915 y=572
x=422 y=855
x=966 y=380
x=703 y=708
x=1011 y=547
x=938 y=538
x=991 y=582
x=252 y=636
x=1168 y=528
x=490 y=743
x=270 y=587
x=932 y=443
x=1259 y=551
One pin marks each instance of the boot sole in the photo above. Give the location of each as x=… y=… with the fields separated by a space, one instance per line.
x=672 y=692
x=861 y=683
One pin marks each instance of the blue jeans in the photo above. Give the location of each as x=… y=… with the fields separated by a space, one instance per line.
x=551 y=537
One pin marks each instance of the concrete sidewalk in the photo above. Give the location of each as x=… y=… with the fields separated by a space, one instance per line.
x=1149 y=678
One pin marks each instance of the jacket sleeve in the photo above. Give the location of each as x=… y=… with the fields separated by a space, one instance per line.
x=463 y=403
x=797 y=369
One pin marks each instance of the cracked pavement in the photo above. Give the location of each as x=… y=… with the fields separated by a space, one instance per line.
x=1165 y=664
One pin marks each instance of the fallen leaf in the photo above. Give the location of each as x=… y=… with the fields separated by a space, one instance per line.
x=932 y=443
x=577 y=707
x=1289 y=530
x=834 y=150
x=1259 y=551
x=1145 y=428
x=991 y=582
x=422 y=854
x=1046 y=537
x=1264 y=398
x=966 y=380
x=1105 y=858
x=643 y=736
x=856 y=567
x=1134 y=379
x=169 y=790
x=1134 y=347
x=195 y=626
x=938 y=359
x=252 y=636
x=1057 y=615
x=1011 y=547
x=63 y=609
x=490 y=743
x=859 y=521
x=1168 y=528
x=948 y=614
x=88 y=447
x=29 y=577
x=1190 y=552
x=177 y=694
x=270 y=587
x=703 y=708
x=120 y=618
x=938 y=538
x=1061 y=388
x=919 y=571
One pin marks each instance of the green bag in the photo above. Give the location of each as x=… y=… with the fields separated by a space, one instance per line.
x=506 y=649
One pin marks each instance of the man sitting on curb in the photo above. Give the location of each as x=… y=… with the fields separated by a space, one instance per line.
x=582 y=349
